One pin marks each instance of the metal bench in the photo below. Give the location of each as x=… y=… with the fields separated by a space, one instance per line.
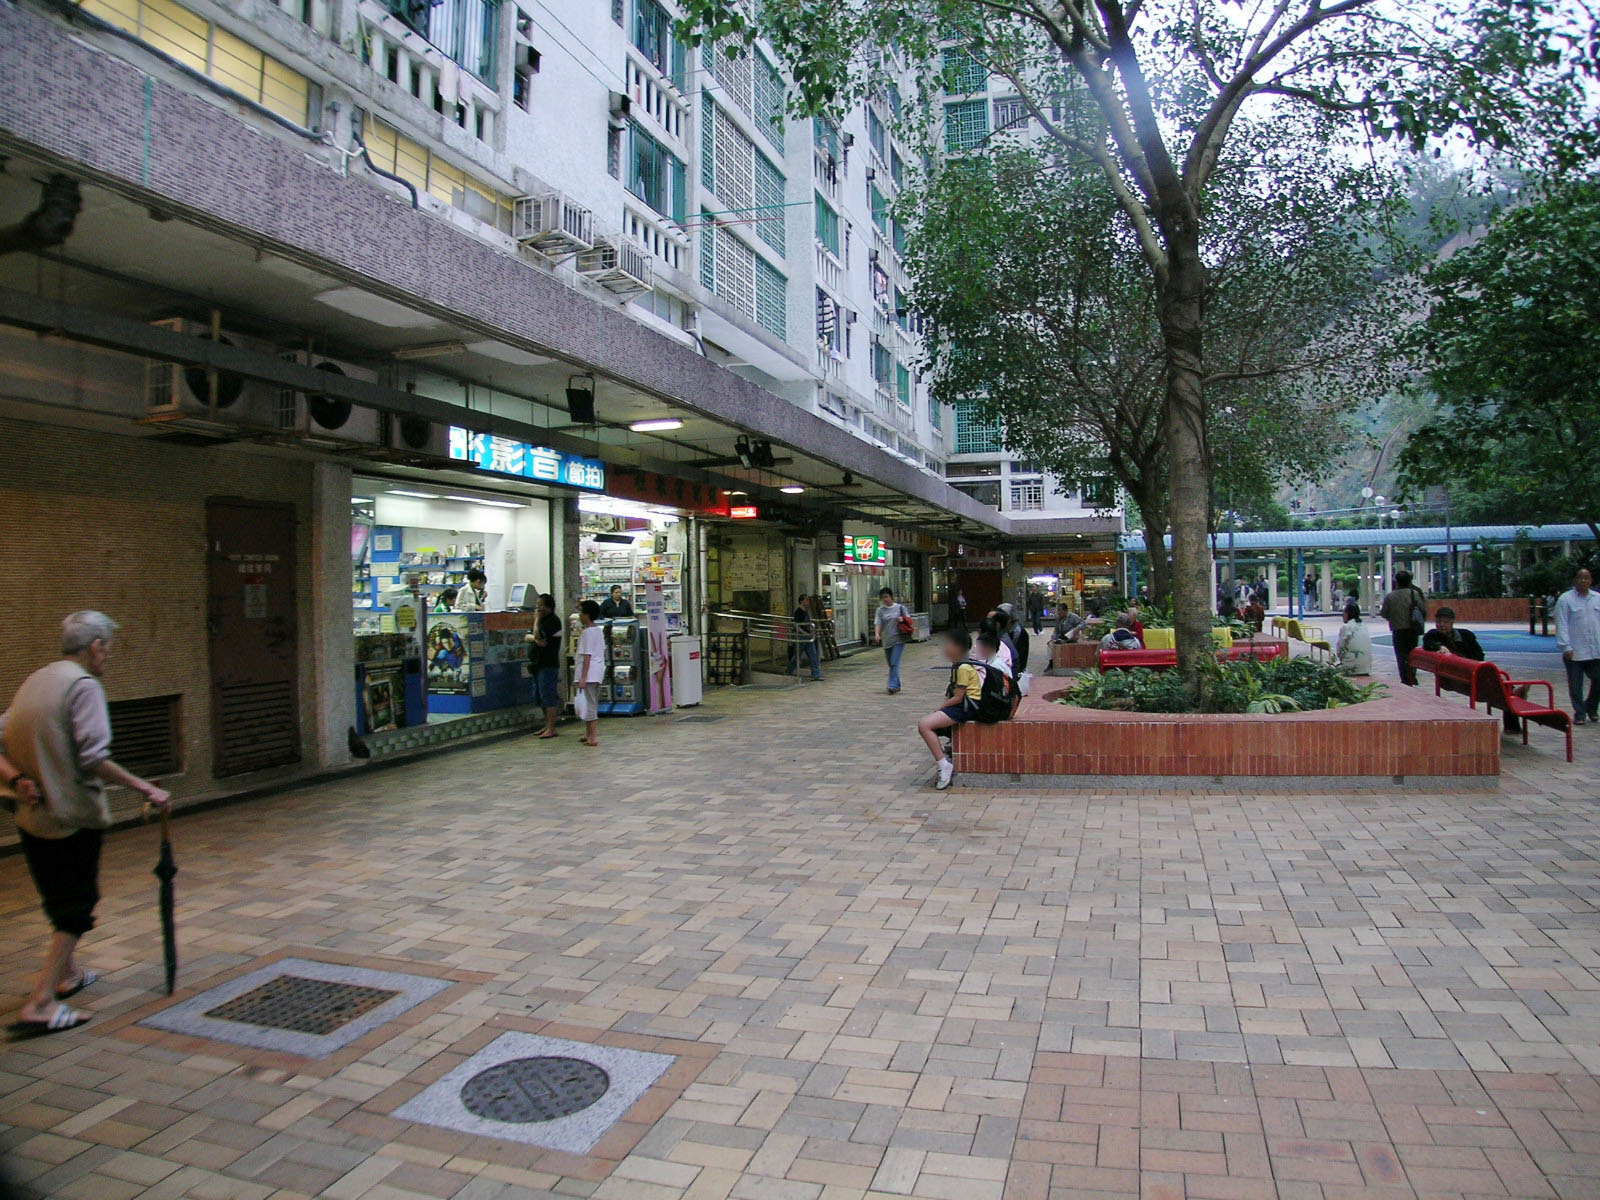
x=1499 y=690
x=1452 y=673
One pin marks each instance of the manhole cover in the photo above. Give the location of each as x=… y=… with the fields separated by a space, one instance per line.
x=525 y=1090
x=700 y=720
x=317 y=1006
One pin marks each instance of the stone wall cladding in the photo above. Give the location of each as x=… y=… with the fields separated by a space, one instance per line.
x=96 y=113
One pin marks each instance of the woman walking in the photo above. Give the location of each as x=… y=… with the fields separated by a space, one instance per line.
x=892 y=629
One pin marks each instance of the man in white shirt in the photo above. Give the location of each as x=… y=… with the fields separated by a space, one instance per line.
x=1578 y=639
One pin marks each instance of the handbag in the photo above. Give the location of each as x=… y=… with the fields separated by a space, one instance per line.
x=1419 y=614
x=905 y=625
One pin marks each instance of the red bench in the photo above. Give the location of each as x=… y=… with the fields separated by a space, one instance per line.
x=1487 y=682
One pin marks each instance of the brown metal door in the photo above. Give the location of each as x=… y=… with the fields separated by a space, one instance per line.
x=255 y=717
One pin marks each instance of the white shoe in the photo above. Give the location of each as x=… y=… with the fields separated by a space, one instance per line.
x=947 y=772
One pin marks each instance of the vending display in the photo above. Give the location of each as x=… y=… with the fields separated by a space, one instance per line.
x=667 y=570
x=625 y=691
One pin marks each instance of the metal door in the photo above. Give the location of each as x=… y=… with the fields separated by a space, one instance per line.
x=251 y=609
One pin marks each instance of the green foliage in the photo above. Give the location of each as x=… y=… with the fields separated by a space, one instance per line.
x=1513 y=351
x=1246 y=686
x=1552 y=576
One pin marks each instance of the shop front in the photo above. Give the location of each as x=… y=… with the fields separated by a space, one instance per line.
x=977 y=574
x=1070 y=580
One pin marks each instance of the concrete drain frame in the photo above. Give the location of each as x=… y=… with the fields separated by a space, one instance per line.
x=297 y=1006
x=539 y=1091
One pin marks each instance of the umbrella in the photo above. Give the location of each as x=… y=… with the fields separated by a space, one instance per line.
x=165 y=869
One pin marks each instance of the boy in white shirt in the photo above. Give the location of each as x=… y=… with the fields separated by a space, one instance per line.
x=590 y=673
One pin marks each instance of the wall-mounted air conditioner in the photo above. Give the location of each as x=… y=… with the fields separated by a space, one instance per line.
x=412 y=439
x=552 y=224
x=618 y=265
x=189 y=396
x=321 y=418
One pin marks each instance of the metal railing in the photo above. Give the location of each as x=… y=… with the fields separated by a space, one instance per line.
x=771 y=640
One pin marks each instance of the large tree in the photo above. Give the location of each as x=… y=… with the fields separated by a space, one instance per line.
x=1042 y=318
x=1166 y=81
x=1513 y=351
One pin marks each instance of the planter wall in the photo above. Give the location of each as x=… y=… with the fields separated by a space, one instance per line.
x=1414 y=734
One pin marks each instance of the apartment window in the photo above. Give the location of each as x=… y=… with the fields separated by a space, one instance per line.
x=771 y=216
x=983 y=493
x=213 y=51
x=772 y=299
x=655 y=174
x=828 y=321
x=969 y=470
x=769 y=100
x=708 y=143
x=614 y=152
x=880 y=287
x=963 y=74
x=1099 y=492
x=882 y=364
x=976 y=432
x=880 y=208
x=468 y=31
x=708 y=251
x=825 y=133
x=935 y=413
x=1009 y=111
x=896 y=106
x=902 y=379
x=900 y=238
x=616 y=10
x=966 y=125
x=652 y=34
x=897 y=167
x=1027 y=495
x=827 y=226
x=902 y=307
x=875 y=134
x=417 y=164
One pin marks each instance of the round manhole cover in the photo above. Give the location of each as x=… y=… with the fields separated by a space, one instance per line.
x=525 y=1090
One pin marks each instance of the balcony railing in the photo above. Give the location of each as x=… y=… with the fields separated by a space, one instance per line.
x=828 y=365
x=655 y=96
x=830 y=274
x=415 y=63
x=468 y=31
x=316 y=13
x=666 y=242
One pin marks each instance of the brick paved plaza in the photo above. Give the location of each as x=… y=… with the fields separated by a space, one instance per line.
x=868 y=988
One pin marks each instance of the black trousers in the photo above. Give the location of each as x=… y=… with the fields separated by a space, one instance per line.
x=66 y=871
x=1405 y=641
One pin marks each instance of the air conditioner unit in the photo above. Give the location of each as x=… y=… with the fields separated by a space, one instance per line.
x=618 y=265
x=552 y=224
x=180 y=397
x=621 y=106
x=410 y=439
x=322 y=419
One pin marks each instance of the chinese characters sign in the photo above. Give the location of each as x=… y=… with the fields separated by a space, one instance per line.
x=507 y=457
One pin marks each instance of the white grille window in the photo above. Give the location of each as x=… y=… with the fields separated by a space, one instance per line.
x=737 y=77
x=735 y=165
x=772 y=300
x=736 y=272
x=769 y=199
x=1027 y=495
x=1009 y=111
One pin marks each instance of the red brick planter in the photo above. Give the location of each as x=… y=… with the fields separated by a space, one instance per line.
x=1499 y=609
x=1073 y=656
x=1412 y=734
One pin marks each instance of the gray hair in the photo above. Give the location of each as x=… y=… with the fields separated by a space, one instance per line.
x=1125 y=621
x=83 y=629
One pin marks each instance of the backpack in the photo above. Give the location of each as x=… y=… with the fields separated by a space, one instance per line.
x=997 y=700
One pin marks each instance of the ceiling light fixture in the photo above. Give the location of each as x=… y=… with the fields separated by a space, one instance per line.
x=433 y=350
x=414 y=495
x=737 y=492
x=658 y=425
x=792 y=489
x=489 y=503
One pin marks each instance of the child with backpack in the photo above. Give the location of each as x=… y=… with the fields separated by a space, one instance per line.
x=978 y=691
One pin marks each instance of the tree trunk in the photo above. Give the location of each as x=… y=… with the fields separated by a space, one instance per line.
x=1181 y=306
x=1153 y=508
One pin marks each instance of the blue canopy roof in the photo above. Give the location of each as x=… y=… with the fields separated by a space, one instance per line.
x=1461 y=536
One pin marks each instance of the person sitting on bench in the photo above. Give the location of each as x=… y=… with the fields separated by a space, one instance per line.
x=1447 y=638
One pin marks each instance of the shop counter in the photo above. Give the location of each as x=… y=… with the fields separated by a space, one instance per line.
x=477 y=662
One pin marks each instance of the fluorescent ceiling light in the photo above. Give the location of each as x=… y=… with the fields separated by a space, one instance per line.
x=660 y=425
x=609 y=506
x=490 y=503
x=737 y=492
x=432 y=350
x=793 y=489
x=417 y=495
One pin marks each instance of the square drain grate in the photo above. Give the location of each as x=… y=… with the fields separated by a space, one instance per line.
x=298 y=1006
x=702 y=719
x=539 y=1091
x=293 y=1002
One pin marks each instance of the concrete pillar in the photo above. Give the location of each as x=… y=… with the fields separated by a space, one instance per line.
x=333 y=651
x=569 y=577
x=1388 y=569
x=1214 y=580
x=1325 y=586
x=1367 y=589
x=1272 y=585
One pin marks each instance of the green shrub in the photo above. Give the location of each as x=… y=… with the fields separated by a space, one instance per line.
x=1245 y=686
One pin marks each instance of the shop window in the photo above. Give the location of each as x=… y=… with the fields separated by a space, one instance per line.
x=145 y=734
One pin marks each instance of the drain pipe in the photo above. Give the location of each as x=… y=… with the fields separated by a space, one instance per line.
x=364 y=153
x=50 y=223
